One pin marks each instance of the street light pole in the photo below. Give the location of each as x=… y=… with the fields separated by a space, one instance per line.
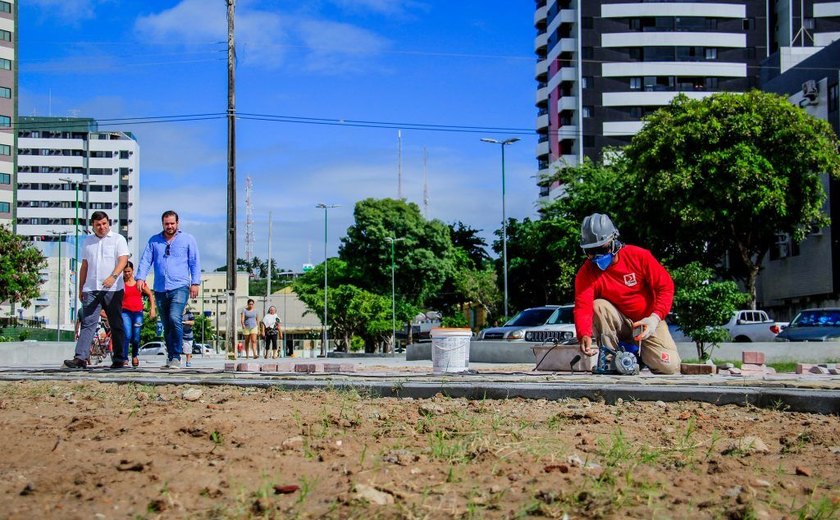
x=392 y=240
x=325 y=207
x=76 y=184
x=504 y=143
x=59 y=234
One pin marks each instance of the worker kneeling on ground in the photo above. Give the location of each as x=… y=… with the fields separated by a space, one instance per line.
x=621 y=289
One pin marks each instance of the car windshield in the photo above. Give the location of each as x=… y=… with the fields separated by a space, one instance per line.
x=564 y=316
x=818 y=318
x=530 y=318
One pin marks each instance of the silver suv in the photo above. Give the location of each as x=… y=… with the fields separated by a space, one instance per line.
x=535 y=324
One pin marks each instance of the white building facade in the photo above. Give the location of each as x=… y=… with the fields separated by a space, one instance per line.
x=8 y=108
x=67 y=169
x=602 y=65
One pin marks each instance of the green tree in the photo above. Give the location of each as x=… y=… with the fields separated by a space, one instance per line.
x=20 y=265
x=467 y=239
x=727 y=174
x=702 y=304
x=424 y=258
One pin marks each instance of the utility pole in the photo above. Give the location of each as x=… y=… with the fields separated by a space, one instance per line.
x=230 y=335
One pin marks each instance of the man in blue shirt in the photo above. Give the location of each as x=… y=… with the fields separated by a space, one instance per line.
x=174 y=256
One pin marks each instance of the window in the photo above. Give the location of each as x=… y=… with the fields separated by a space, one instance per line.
x=588 y=141
x=748 y=24
x=587 y=53
x=636 y=112
x=124 y=154
x=5 y=92
x=587 y=22
x=5 y=36
x=832 y=97
x=586 y=81
x=5 y=178
x=5 y=64
x=5 y=207
x=711 y=53
x=5 y=7
x=5 y=121
x=586 y=111
x=635 y=83
x=5 y=149
x=809 y=23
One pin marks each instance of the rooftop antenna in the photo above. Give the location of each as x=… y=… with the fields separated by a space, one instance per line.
x=803 y=32
x=399 y=165
x=425 y=183
x=249 y=219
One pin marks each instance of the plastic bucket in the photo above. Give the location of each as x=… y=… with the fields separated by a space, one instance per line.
x=450 y=350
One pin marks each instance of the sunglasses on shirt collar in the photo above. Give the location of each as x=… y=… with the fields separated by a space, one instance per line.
x=166 y=253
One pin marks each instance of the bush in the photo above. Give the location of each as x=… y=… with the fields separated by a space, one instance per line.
x=24 y=335
x=357 y=344
x=456 y=321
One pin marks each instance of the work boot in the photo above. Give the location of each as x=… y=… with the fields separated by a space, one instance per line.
x=75 y=363
x=276 y=354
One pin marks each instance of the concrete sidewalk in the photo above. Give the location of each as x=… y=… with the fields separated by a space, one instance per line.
x=396 y=376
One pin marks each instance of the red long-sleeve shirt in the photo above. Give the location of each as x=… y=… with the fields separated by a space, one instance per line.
x=636 y=283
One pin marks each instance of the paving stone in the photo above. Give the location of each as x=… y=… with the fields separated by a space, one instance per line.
x=309 y=368
x=269 y=367
x=692 y=369
x=803 y=368
x=230 y=366
x=735 y=371
x=753 y=358
x=819 y=370
x=834 y=371
x=339 y=367
x=248 y=367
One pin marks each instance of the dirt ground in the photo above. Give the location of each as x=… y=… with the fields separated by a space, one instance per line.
x=93 y=450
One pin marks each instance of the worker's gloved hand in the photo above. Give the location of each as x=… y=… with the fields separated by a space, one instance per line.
x=648 y=326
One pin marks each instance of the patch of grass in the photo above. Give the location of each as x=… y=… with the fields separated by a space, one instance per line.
x=217 y=438
x=818 y=509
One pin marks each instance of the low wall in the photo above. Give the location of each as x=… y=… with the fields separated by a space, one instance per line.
x=22 y=353
x=520 y=351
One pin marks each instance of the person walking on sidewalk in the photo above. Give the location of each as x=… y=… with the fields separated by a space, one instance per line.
x=248 y=318
x=187 y=322
x=132 y=313
x=270 y=326
x=174 y=256
x=622 y=293
x=104 y=255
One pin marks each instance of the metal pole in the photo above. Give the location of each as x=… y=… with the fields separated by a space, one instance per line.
x=504 y=213
x=393 y=303
x=504 y=233
x=230 y=335
x=203 y=317
x=58 y=284
x=326 y=267
x=76 y=259
x=217 y=325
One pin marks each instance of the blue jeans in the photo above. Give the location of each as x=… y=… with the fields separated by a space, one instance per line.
x=171 y=308
x=132 y=323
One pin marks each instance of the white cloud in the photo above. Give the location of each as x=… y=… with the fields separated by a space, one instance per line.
x=263 y=38
x=70 y=11
x=385 y=7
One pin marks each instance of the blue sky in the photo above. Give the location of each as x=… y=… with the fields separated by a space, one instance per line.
x=408 y=62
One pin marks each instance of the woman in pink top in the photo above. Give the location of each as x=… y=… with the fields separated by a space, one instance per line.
x=132 y=312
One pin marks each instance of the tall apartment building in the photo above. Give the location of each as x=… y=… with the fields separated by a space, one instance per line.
x=64 y=160
x=602 y=65
x=8 y=107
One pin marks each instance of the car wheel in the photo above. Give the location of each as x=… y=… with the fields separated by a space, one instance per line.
x=160 y=353
x=742 y=339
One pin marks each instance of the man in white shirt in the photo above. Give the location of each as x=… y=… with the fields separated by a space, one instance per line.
x=104 y=256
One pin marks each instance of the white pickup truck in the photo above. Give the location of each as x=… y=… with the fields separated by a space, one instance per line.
x=750 y=325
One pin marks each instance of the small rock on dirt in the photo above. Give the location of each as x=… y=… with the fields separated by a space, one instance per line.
x=192 y=394
x=747 y=444
x=803 y=471
x=27 y=490
x=373 y=495
x=431 y=409
x=292 y=442
x=285 y=490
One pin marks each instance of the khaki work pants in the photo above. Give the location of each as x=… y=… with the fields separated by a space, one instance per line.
x=658 y=352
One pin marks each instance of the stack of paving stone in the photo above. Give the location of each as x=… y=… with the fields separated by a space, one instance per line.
x=823 y=369
x=305 y=368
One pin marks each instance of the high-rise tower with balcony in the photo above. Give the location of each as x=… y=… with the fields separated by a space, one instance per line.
x=8 y=108
x=602 y=65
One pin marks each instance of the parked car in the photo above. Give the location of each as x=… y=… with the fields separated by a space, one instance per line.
x=544 y=320
x=560 y=326
x=751 y=325
x=201 y=348
x=153 y=348
x=813 y=325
